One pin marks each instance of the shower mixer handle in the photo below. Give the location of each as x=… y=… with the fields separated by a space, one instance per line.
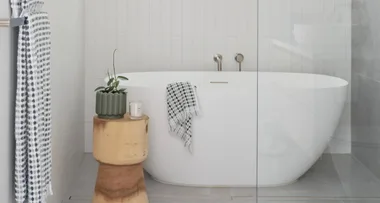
x=218 y=58
x=239 y=58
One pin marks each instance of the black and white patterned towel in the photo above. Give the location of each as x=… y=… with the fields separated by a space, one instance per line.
x=33 y=160
x=182 y=104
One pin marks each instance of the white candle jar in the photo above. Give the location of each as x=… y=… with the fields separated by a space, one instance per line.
x=135 y=109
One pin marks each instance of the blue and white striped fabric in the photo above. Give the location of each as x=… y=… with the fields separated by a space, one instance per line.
x=33 y=159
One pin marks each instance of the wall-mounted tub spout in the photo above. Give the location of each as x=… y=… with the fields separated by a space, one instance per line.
x=218 y=58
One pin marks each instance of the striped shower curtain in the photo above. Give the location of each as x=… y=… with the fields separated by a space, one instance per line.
x=33 y=104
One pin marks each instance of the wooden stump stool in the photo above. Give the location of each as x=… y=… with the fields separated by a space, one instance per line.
x=120 y=147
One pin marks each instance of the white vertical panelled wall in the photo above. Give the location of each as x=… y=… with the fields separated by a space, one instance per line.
x=183 y=35
x=67 y=73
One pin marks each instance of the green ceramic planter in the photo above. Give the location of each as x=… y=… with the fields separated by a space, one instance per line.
x=110 y=105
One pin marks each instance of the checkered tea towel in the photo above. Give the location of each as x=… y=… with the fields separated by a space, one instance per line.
x=182 y=106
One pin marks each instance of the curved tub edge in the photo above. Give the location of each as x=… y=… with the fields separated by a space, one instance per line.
x=221 y=186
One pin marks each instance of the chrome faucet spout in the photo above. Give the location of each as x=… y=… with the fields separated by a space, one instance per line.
x=218 y=58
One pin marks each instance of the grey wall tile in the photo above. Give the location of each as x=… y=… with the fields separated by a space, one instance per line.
x=365 y=108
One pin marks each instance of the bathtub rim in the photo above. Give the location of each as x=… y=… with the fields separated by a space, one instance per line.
x=333 y=81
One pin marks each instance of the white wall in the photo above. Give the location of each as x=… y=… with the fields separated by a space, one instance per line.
x=67 y=22
x=7 y=70
x=183 y=35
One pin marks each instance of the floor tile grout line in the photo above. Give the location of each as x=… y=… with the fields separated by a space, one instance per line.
x=364 y=166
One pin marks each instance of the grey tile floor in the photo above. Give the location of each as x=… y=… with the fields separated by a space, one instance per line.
x=333 y=179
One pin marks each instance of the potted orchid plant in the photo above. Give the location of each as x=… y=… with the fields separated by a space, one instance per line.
x=111 y=102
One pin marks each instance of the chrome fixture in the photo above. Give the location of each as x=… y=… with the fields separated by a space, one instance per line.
x=12 y=22
x=218 y=58
x=239 y=58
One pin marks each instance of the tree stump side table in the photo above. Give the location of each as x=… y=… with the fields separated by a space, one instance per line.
x=120 y=146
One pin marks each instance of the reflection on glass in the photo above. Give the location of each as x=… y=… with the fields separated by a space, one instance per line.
x=328 y=131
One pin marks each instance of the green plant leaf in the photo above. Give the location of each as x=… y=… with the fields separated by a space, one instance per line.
x=116 y=84
x=122 y=90
x=99 y=88
x=113 y=63
x=109 y=89
x=110 y=81
x=122 y=77
x=108 y=73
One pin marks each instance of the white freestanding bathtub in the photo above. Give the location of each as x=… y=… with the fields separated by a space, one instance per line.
x=255 y=130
